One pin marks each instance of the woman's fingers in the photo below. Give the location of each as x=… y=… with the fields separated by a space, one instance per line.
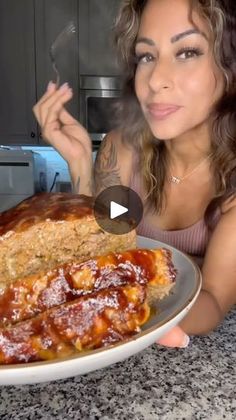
x=51 y=115
x=55 y=105
x=52 y=94
x=51 y=88
x=72 y=126
x=66 y=118
x=61 y=96
x=59 y=128
x=174 y=338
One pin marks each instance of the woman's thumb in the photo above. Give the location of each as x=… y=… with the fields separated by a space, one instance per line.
x=176 y=337
x=66 y=118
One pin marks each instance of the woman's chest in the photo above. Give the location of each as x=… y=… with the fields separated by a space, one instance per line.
x=183 y=206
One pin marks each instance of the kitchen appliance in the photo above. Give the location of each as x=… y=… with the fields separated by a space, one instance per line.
x=22 y=174
x=98 y=97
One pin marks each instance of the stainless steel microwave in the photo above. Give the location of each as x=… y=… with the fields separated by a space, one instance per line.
x=98 y=98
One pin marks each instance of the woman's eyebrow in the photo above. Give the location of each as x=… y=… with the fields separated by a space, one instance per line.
x=177 y=37
x=147 y=41
x=174 y=38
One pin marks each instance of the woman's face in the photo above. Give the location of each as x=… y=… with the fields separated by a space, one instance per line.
x=176 y=80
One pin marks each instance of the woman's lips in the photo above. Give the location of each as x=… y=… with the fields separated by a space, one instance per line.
x=160 y=112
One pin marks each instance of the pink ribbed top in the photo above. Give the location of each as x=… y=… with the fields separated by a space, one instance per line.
x=192 y=240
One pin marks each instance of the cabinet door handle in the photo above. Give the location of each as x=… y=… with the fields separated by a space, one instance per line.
x=32 y=134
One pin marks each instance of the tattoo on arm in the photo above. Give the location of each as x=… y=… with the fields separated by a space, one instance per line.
x=106 y=169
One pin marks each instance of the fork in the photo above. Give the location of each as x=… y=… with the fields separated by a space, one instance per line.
x=58 y=43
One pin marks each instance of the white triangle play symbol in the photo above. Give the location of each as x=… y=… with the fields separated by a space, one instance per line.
x=116 y=210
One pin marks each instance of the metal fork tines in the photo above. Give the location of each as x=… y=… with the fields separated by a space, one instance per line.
x=59 y=42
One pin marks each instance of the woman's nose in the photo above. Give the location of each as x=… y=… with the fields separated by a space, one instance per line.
x=161 y=77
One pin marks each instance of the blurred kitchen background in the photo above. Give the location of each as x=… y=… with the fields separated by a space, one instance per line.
x=87 y=62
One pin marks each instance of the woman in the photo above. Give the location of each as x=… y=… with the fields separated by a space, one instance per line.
x=176 y=145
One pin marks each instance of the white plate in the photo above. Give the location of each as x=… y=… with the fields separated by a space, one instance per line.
x=172 y=310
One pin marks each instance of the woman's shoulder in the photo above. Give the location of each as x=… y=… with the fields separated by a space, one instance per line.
x=224 y=219
x=118 y=140
x=229 y=205
x=222 y=213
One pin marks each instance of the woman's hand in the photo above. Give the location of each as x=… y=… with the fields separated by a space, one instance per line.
x=64 y=132
x=174 y=338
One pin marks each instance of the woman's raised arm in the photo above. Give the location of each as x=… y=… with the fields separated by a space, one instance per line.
x=72 y=141
x=66 y=135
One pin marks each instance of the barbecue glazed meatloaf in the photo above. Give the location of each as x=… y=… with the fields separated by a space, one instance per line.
x=50 y=229
x=89 y=322
x=83 y=306
x=27 y=297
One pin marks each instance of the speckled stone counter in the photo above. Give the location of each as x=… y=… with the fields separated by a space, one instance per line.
x=194 y=383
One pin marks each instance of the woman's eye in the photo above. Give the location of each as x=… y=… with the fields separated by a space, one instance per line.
x=189 y=53
x=144 y=58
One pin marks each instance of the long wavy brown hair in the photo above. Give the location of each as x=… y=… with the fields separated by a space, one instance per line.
x=221 y=18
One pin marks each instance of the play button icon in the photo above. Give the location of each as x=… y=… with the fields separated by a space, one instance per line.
x=118 y=210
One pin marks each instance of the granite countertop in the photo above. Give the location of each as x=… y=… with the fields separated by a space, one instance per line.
x=159 y=383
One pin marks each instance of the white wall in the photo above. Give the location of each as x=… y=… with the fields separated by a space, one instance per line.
x=54 y=162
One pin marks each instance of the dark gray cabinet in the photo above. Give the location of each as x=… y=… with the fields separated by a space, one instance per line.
x=27 y=29
x=17 y=72
x=97 y=56
x=50 y=19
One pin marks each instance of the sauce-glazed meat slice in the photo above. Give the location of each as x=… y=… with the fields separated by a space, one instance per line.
x=34 y=294
x=89 y=322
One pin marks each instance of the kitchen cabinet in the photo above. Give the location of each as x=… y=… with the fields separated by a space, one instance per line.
x=97 y=56
x=27 y=29
x=51 y=18
x=17 y=72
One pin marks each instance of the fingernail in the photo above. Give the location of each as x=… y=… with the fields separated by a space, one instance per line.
x=64 y=87
x=185 y=342
x=50 y=86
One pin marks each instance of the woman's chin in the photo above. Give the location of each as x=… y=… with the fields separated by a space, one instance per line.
x=164 y=134
x=167 y=131
x=164 y=130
